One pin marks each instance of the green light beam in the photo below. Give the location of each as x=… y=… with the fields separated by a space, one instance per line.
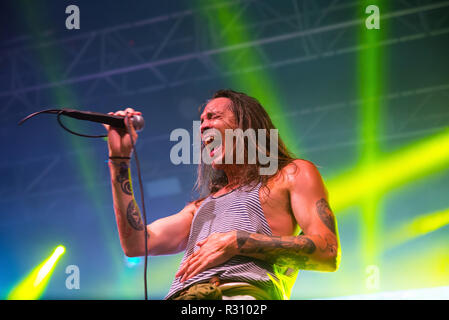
x=85 y=163
x=419 y=226
x=412 y=162
x=231 y=24
x=34 y=285
x=370 y=79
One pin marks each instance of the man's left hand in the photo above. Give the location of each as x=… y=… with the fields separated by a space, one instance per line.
x=214 y=250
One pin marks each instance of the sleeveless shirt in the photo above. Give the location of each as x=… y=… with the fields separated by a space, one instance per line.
x=239 y=209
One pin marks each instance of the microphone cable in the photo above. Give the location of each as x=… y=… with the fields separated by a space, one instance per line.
x=136 y=158
x=59 y=113
x=58 y=117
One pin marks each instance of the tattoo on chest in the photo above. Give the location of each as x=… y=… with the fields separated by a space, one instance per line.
x=325 y=214
x=133 y=216
x=123 y=178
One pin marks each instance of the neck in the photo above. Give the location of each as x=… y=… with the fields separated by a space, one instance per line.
x=233 y=173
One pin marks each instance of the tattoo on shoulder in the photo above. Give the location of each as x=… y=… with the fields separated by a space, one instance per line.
x=123 y=178
x=325 y=214
x=133 y=217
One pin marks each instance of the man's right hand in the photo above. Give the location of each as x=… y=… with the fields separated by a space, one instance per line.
x=167 y=235
x=119 y=140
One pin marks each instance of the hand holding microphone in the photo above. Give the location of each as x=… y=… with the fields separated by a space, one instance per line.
x=121 y=129
x=116 y=123
x=119 y=140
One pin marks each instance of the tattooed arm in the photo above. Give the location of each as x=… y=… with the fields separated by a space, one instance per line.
x=127 y=215
x=317 y=248
x=167 y=235
x=292 y=251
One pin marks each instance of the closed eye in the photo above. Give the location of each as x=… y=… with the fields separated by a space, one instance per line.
x=209 y=116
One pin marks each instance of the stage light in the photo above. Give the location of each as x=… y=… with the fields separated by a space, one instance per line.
x=33 y=286
x=132 y=262
x=415 y=161
x=412 y=162
x=242 y=68
x=53 y=68
x=419 y=226
x=49 y=265
x=371 y=79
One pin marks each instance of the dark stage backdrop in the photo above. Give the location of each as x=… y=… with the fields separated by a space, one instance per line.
x=368 y=106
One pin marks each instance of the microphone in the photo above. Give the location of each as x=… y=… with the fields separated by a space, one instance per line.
x=114 y=121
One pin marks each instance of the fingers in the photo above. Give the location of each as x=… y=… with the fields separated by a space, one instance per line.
x=130 y=126
x=200 y=266
x=196 y=264
x=128 y=112
x=106 y=126
x=191 y=260
x=189 y=265
x=193 y=269
x=193 y=257
x=211 y=252
x=183 y=268
x=123 y=113
x=132 y=111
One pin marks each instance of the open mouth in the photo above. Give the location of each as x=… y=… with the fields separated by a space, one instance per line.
x=208 y=140
x=211 y=147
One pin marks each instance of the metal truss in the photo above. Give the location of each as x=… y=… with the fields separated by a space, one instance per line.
x=40 y=182
x=179 y=48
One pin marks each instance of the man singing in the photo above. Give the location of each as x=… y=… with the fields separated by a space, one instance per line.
x=250 y=232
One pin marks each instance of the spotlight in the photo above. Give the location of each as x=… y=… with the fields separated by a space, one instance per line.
x=33 y=286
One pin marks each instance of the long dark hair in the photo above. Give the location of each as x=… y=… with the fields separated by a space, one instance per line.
x=248 y=113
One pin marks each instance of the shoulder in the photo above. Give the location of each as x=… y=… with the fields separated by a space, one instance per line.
x=298 y=168
x=301 y=172
x=193 y=206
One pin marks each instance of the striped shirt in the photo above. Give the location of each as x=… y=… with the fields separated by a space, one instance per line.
x=239 y=209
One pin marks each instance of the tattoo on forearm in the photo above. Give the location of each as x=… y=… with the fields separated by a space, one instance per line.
x=292 y=252
x=124 y=227
x=133 y=216
x=325 y=214
x=242 y=237
x=327 y=244
x=123 y=178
